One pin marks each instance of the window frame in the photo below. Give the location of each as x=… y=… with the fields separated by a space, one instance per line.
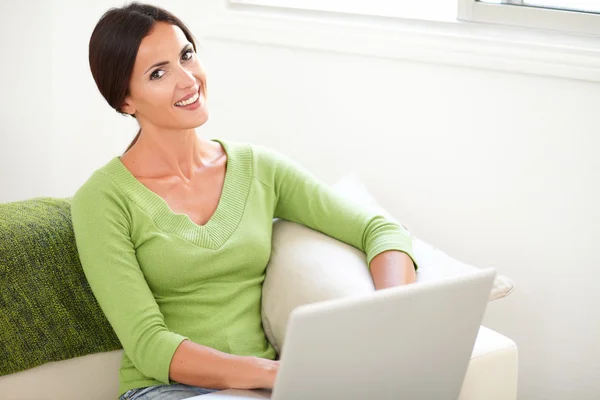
x=531 y=17
x=370 y=8
x=482 y=46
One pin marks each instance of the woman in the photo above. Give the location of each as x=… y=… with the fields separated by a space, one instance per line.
x=174 y=235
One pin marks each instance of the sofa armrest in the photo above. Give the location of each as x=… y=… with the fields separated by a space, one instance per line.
x=94 y=377
x=492 y=373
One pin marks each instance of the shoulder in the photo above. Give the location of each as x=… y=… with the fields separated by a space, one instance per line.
x=275 y=168
x=270 y=158
x=98 y=191
x=258 y=155
x=267 y=162
x=261 y=161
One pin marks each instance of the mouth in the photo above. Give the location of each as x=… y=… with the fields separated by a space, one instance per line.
x=189 y=100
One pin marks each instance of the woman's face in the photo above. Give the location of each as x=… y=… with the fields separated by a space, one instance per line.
x=155 y=90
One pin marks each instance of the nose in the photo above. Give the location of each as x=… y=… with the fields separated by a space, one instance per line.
x=185 y=78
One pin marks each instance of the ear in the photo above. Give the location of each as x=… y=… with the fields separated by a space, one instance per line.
x=128 y=106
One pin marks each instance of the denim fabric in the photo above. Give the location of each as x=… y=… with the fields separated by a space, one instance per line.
x=175 y=391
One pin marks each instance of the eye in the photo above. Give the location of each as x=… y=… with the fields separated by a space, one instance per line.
x=190 y=52
x=153 y=76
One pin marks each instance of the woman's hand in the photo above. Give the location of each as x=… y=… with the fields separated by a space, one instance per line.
x=270 y=369
x=256 y=373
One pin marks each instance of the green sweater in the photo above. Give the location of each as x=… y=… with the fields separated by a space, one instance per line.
x=160 y=278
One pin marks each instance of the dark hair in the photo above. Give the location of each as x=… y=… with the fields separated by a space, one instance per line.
x=114 y=46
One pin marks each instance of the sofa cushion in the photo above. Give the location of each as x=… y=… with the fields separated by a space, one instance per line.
x=307 y=266
x=351 y=187
x=47 y=310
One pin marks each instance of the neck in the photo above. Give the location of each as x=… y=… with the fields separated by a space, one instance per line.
x=168 y=154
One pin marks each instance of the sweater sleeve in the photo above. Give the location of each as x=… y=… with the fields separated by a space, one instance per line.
x=303 y=198
x=108 y=257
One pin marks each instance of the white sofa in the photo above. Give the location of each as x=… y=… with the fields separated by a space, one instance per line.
x=492 y=375
x=492 y=371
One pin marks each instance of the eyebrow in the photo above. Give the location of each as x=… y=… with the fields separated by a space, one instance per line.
x=159 y=64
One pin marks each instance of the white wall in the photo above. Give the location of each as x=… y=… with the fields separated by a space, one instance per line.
x=497 y=169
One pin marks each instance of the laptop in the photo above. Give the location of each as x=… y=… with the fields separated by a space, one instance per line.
x=407 y=342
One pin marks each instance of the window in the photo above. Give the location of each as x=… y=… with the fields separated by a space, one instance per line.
x=565 y=5
x=577 y=16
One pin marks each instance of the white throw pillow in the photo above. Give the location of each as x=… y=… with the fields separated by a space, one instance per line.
x=307 y=266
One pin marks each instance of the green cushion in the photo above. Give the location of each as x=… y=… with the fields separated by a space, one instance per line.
x=47 y=309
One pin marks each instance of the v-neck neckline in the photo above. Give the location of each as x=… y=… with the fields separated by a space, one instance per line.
x=227 y=216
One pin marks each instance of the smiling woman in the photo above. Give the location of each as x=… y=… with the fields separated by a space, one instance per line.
x=174 y=236
x=144 y=62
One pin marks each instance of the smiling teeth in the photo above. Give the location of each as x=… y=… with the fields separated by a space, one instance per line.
x=189 y=101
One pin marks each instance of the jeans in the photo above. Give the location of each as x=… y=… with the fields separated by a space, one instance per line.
x=175 y=391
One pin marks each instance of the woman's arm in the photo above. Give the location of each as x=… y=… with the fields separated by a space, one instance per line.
x=107 y=254
x=392 y=268
x=303 y=198
x=202 y=366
